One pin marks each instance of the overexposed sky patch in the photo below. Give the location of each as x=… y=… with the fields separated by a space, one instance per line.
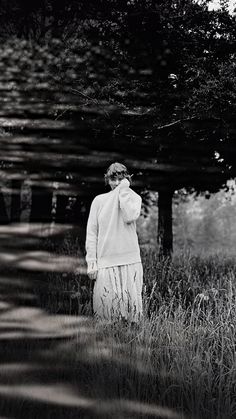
x=216 y=3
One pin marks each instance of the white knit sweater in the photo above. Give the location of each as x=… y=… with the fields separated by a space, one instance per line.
x=111 y=238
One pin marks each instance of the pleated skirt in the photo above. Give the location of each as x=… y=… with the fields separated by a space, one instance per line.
x=118 y=293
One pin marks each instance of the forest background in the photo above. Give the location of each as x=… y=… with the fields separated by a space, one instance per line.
x=151 y=83
x=187 y=71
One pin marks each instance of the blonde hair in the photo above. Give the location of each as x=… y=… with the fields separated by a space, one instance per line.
x=117 y=171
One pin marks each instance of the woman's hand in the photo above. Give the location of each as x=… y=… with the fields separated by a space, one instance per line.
x=124 y=183
x=92 y=270
x=92 y=274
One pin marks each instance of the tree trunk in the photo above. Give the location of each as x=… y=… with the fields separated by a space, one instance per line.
x=165 y=229
x=3 y=213
x=41 y=205
x=26 y=201
x=81 y=210
x=16 y=201
x=60 y=216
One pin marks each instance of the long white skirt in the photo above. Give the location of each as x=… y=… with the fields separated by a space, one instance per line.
x=118 y=293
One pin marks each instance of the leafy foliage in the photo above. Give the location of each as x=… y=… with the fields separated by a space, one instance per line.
x=138 y=67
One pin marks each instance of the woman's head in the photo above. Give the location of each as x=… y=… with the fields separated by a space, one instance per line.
x=115 y=173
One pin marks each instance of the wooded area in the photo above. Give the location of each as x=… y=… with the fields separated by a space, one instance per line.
x=82 y=85
x=151 y=84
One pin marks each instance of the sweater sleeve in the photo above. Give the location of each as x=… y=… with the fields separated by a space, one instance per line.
x=130 y=203
x=92 y=237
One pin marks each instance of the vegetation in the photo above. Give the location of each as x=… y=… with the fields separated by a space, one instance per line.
x=157 y=63
x=153 y=83
x=182 y=355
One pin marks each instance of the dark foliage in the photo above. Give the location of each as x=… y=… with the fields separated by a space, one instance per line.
x=129 y=71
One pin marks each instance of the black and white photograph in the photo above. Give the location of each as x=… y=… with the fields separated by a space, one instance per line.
x=117 y=209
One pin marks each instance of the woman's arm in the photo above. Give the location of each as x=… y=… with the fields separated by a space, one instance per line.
x=130 y=202
x=91 y=241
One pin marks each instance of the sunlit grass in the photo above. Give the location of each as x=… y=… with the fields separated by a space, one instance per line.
x=182 y=354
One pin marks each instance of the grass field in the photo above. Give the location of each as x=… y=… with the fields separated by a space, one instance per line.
x=182 y=355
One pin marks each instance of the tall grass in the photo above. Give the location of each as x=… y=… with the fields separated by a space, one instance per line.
x=182 y=354
x=67 y=292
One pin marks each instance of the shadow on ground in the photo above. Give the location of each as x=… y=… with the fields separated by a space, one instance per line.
x=57 y=365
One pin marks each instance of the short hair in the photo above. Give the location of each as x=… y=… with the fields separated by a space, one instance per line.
x=117 y=171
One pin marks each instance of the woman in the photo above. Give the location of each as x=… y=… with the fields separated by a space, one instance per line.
x=112 y=249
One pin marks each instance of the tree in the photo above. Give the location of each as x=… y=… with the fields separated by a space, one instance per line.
x=172 y=56
x=141 y=70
